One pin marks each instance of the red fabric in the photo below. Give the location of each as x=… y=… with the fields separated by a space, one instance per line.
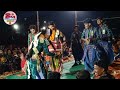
x=57 y=45
x=23 y=63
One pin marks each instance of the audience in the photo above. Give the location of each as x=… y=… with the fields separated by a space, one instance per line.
x=10 y=60
x=54 y=75
x=83 y=74
x=101 y=70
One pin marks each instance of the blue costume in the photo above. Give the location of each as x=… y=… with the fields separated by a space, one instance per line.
x=90 y=50
x=105 y=37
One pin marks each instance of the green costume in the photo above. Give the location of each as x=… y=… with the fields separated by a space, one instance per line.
x=30 y=39
x=37 y=68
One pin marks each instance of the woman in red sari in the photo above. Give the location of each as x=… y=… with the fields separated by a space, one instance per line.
x=23 y=63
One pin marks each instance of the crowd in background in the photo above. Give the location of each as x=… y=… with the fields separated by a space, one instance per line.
x=10 y=59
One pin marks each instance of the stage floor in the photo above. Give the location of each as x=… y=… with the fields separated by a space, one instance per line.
x=68 y=71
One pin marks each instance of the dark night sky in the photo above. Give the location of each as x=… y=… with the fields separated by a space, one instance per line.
x=64 y=21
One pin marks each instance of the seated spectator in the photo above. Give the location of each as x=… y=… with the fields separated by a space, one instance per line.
x=83 y=74
x=16 y=61
x=3 y=61
x=115 y=48
x=66 y=54
x=1 y=72
x=118 y=43
x=108 y=76
x=23 y=63
x=101 y=70
x=54 y=75
x=10 y=61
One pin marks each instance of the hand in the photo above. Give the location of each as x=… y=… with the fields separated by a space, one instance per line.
x=87 y=41
x=27 y=56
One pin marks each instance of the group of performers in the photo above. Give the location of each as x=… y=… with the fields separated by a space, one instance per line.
x=98 y=44
x=44 y=51
x=45 y=48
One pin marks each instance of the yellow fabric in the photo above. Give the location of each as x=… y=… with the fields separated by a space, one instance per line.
x=3 y=59
x=52 y=37
x=35 y=57
x=35 y=50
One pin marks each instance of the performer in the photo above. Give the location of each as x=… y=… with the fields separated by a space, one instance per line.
x=105 y=39
x=33 y=32
x=38 y=45
x=89 y=37
x=57 y=39
x=77 y=50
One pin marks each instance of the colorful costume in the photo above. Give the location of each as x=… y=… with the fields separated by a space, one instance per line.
x=56 y=47
x=37 y=66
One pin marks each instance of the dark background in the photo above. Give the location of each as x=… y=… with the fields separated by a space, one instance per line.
x=64 y=21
